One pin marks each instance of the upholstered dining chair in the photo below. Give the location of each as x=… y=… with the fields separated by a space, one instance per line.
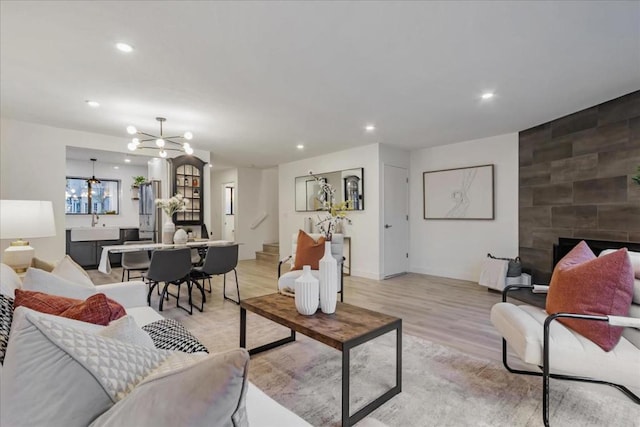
x=219 y=260
x=287 y=279
x=555 y=350
x=135 y=261
x=171 y=267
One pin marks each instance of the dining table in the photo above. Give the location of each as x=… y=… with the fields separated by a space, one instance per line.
x=105 y=264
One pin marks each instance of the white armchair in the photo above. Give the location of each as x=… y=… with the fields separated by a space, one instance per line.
x=286 y=280
x=562 y=353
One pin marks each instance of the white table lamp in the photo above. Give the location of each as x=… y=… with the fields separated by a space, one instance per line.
x=24 y=219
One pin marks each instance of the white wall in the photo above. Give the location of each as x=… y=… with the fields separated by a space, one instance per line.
x=457 y=248
x=364 y=230
x=128 y=214
x=32 y=167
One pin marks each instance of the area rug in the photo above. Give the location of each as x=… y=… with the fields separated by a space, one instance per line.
x=441 y=387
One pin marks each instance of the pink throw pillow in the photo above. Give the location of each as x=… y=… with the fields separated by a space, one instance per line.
x=582 y=283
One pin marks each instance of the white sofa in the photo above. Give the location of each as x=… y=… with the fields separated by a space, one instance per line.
x=261 y=409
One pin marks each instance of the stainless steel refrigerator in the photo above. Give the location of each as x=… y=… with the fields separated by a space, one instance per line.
x=150 y=215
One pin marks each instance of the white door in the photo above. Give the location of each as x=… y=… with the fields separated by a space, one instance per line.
x=396 y=221
x=228 y=212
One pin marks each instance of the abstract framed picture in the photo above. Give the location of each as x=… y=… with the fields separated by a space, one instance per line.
x=461 y=193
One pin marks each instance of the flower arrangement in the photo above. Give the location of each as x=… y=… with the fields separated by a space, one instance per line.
x=172 y=205
x=337 y=211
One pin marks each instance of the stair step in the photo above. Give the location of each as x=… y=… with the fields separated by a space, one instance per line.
x=273 y=248
x=267 y=257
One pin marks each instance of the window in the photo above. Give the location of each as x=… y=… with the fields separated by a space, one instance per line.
x=82 y=198
x=228 y=200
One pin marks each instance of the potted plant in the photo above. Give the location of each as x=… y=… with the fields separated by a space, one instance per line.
x=135 y=186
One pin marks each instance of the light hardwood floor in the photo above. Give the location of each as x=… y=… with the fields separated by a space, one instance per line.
x=447 y=311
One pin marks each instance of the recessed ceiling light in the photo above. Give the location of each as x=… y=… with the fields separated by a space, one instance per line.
x=299 y=146
x=487 y=95
x=124 y=47
x=127 y=160
x=92 y=104
x=116 y=167
x=370 y=128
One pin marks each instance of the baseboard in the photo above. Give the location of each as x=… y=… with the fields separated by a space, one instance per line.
x=366 y=274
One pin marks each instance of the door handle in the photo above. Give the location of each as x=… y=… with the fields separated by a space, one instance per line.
x=387 y=226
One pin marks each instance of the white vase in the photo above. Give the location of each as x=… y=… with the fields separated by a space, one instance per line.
x=168 y=230
x=307 y=289
x=180 y=237
x=328 y=281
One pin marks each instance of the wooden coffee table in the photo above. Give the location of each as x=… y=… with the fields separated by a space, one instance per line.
x=347 y=328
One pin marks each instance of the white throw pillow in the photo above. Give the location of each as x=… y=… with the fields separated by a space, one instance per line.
x=69 y=270
x=49 y=283
x=127 y=330
x=55 y=375
x=9 y=281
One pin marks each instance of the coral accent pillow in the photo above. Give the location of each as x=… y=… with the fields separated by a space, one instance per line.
x=97 y=309
x=582 y=283
x=308 y=251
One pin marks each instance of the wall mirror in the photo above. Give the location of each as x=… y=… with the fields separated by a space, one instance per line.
x=349 y=185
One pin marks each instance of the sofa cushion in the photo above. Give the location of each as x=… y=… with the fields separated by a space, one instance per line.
x=127 y=330
x=97 y=309
x=168 y=334
x=83 y=373
x=6 y=315
x=49 y=283
x=209 y=392
x=9 y=281
x=69 y=270
x=582 y=283
x=308 y=251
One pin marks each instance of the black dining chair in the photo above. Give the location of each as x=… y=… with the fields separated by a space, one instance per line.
x=173 y=267
x=219 y=260
x=135 y=261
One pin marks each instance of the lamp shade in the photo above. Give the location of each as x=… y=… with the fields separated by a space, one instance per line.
x=24 y=219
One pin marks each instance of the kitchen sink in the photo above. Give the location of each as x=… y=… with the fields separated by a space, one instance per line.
x=85 y=234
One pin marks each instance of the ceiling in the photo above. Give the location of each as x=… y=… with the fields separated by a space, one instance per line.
x=252 y=80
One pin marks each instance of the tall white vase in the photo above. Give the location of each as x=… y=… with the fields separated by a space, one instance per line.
x=168 y=230
x=307 y=289
x=328 y=281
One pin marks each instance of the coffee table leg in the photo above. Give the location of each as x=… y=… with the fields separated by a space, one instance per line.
x=243 y=327
x=345 y=386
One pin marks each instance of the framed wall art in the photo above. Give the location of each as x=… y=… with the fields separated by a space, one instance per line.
x=462 y=193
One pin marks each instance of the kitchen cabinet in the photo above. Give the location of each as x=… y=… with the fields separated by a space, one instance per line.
x=87 y=254
x=187 y=174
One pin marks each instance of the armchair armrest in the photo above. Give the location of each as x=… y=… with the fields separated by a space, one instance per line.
x=282 y=261
x=536 y=289
x=129 y=294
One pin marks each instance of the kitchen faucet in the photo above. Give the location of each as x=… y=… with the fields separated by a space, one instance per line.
x=94 y=219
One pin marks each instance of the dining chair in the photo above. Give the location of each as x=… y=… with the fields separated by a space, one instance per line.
x=173 y=267
x=135 y=261
x=219 y=260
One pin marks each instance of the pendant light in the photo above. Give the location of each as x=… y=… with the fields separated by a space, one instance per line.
x=93 y=180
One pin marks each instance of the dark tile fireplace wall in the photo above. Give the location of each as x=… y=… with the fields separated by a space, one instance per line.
x=575 y=180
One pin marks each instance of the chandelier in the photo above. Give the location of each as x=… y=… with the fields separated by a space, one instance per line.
x=163 y=143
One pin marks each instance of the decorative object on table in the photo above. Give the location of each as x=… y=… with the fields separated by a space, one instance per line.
x=336 y=211
x=135 y=186
x=163 y=143
x=328 y=269
x=180 y=237
x=170 y=206
x=637 y=177
x=307 y=292
x=24 y=219
x=461 y=193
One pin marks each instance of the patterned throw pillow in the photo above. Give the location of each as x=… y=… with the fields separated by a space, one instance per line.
x=168 y=334
x=6 y=315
